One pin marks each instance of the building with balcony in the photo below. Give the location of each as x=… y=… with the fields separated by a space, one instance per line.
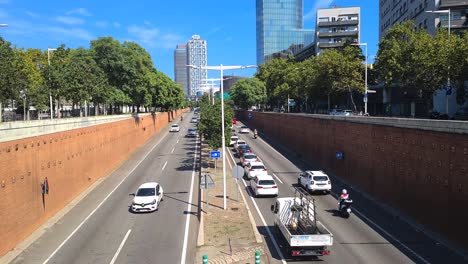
x=180 y=70
x=280 y=28
x=196 y=56
x=336 y=25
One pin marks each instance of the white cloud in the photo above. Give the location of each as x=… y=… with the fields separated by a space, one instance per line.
x=31 y=14
x=318 y=4
x=116 y=24
x=153 y=38
x=147 y=23
x=102 y=24
x=69 y=20
x=79 y=33
x=4 y=1
x=79 y=11
x=228 y=39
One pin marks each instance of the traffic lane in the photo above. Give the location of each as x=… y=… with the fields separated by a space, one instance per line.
x=350 y=235
x=54 y=235
x=158 y=237
x=415 y=243
x=99 y=238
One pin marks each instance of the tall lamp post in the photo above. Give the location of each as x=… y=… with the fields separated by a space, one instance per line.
x=50 y=92
x=365 y=78
x=448 y=73
x=222 y=68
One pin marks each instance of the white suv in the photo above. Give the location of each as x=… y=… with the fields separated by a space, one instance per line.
x=315 y=181
x=254 y=169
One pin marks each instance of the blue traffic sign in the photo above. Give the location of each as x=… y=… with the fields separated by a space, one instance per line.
x=250 y=115
x=215 y=154
x=339 y=155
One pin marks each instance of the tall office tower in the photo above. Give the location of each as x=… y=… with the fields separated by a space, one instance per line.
x=196 y=56
x=336 y=25
x=280 y=29
x=180 y=68
x=396 y=12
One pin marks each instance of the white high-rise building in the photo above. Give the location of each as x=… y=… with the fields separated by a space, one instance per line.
x=196 y=56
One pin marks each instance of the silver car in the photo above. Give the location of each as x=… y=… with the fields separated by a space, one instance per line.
x=248 y=157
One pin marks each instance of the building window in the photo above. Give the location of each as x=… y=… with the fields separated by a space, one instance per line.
x=323 y=19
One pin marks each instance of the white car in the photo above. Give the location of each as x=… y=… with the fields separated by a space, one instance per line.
x=254 y=169
x=244 y=130
x=147 y=197
x=175 y=128
x=194 y=120
x=238 y=143
x=315 y=181
x=233 y=140
x=263 y=185
x=248 y=157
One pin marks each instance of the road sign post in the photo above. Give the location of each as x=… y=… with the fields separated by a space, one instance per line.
x=215 y=154
x=237 y=173
x=206 y=183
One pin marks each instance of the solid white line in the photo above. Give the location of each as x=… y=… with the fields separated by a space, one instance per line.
x=275 y=244
x=172 y=150
x=277 y=178
x=164 y=166
x=187 y=220
x=120 y=247
x=392 y=237
x=100 y=204
x=177 y=141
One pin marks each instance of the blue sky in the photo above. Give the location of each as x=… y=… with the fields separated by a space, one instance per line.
x=158 y=25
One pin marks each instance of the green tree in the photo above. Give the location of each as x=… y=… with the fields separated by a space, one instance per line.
x=210 y=121
x=248 y=92
x=7 y=89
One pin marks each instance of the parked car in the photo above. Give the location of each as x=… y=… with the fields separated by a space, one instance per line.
x=238 y=143
x=263 y=185
x=341 y=112
x=254 y=169
x=247 y=158
x=243 y=149
x=233 y=140
x=315 y=181
x=147 y=197
x=174 y=128
x=244 y=130
x=191 y=132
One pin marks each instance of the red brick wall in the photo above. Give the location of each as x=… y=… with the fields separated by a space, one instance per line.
x=422 y=173
x=71 y=161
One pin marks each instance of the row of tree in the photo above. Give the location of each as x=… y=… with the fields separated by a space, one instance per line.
x=109 y=73
x=407 y=58
x=210 y=121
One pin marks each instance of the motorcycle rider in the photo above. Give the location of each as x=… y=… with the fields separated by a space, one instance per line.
x=255 y=133
x=343 y=197
x=181 y=118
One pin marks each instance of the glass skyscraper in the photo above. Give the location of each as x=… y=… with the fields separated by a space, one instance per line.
x=280 y=28
x=196 y=56
x=180 y=68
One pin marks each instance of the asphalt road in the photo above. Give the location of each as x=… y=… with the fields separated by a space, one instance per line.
x=102 y=229
x=370 y=235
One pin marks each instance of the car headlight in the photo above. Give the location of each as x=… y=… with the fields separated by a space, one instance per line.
x=154 y=201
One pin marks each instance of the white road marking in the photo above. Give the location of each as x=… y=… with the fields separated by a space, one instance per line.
x=177 y=141
x=187 y=220
x=273 y=240
x=100 y=204
x=172 y=151
x=164 y=166
x=120 y=247
x=277 y=178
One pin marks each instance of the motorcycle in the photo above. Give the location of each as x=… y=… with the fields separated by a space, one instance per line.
x=255 y=134
x=345 y=208
x=181 y=119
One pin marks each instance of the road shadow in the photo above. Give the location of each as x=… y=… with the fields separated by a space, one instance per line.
x=179 y=200
x=333 y=212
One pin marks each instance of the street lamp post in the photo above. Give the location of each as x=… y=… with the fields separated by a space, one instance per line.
x=365 y=78
x=50 y=92
x=222 y=68
x=448 y=72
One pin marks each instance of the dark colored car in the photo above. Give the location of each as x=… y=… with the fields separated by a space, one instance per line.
x=243 y=149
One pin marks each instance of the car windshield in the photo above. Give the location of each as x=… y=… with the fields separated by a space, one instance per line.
x=234 y=138
x=241 y=142
x=258 y=167
x=320 y=178
x=175 y=125
x=266 y=182
x=243 y=127
x=250 y=157
x=145 y=192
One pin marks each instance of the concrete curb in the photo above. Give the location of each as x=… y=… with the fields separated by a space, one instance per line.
x=201 y=228
x=258 y=237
